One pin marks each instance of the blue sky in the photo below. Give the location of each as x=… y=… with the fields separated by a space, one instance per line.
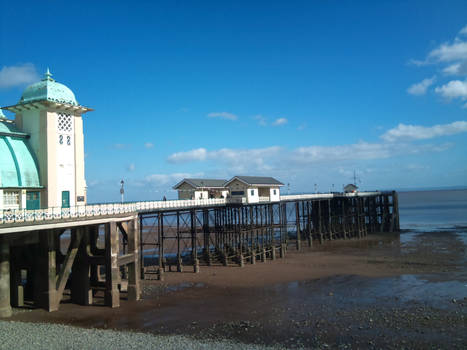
x=306 y=92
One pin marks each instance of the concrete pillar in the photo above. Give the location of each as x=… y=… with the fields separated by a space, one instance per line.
x=134 y=273
x=5 y=307
x=297 y=224
x=16 y=288
x=112 y=271
x=47 y=272
x=81 y=292
x=241 y=260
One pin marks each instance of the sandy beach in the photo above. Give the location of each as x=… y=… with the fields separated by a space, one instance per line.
x=385 y=291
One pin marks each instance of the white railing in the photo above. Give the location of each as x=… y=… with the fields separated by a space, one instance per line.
x=327 y=195
x=8 y=216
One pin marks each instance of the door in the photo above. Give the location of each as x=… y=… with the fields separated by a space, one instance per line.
x=65 y=199
x=33 y=200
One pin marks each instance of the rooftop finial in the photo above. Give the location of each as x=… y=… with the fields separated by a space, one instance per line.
x=48 y=75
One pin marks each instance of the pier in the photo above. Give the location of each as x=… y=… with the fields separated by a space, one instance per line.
x=98 y=254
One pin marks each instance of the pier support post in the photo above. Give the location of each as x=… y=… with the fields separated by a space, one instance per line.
x=112 y=294
x=134 y=284
x=5 y=306
x=47 y=271
x=16 y=287
x=297 y=216
x=194 y=247
x=81 y=292
x=282 y=251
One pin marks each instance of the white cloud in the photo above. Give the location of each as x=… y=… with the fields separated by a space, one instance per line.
x=449 y=52
x=459 y=68
x=131 y=167
x=417 y=132
x=261 y=120
x=280 y=121
x=420 y=88
x=120 y=146
x=198 y=154
x=453 y=89
x=223 y=115
x=463 y=31
x=233 y=160
x=302 y=127
x=148 y=145
x=11 y=76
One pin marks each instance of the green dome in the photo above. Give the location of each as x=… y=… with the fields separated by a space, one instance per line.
x=18 y=167
x=48 y=89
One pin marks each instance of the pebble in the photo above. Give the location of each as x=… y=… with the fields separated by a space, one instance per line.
x=45 y=336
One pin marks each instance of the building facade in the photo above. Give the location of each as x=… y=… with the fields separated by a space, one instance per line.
x=245 y=189
x=201 y=189
x=50 y=119
x=254 y=189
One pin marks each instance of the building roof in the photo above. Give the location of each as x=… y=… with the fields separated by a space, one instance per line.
x=257 y=180
x=199 y=183
x=18 y=168
x=48 y=89
x=350 y=187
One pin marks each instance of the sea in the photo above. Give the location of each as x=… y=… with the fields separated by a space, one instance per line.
x=433 y=210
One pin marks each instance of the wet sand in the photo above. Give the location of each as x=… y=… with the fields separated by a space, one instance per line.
x=384 y=291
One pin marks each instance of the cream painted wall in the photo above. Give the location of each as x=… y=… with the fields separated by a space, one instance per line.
x=201 y=194
x=252 y=195
x=64 y=143
x=61 y=166
x=80 y=180
x=275 y=197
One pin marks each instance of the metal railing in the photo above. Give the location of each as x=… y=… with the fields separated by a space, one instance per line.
x=9 y=216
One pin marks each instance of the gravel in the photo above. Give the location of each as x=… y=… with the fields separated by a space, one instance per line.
x=22 y=335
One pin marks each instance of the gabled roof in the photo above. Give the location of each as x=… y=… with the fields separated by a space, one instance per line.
x=257 y=180
x=350 y=187
x=200 y=183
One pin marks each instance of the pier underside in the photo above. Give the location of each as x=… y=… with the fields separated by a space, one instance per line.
x=176 y=240
x=85 y=264
x=102 y=260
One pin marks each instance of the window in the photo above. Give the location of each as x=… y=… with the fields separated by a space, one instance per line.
x=274 y=192
x=238 y=193
x=252 y=192
x=10 y=198
x=65 y=122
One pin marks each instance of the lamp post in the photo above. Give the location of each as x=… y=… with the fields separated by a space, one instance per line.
x=122 y=191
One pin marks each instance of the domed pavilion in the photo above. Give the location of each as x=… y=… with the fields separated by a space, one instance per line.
x=42 y=150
